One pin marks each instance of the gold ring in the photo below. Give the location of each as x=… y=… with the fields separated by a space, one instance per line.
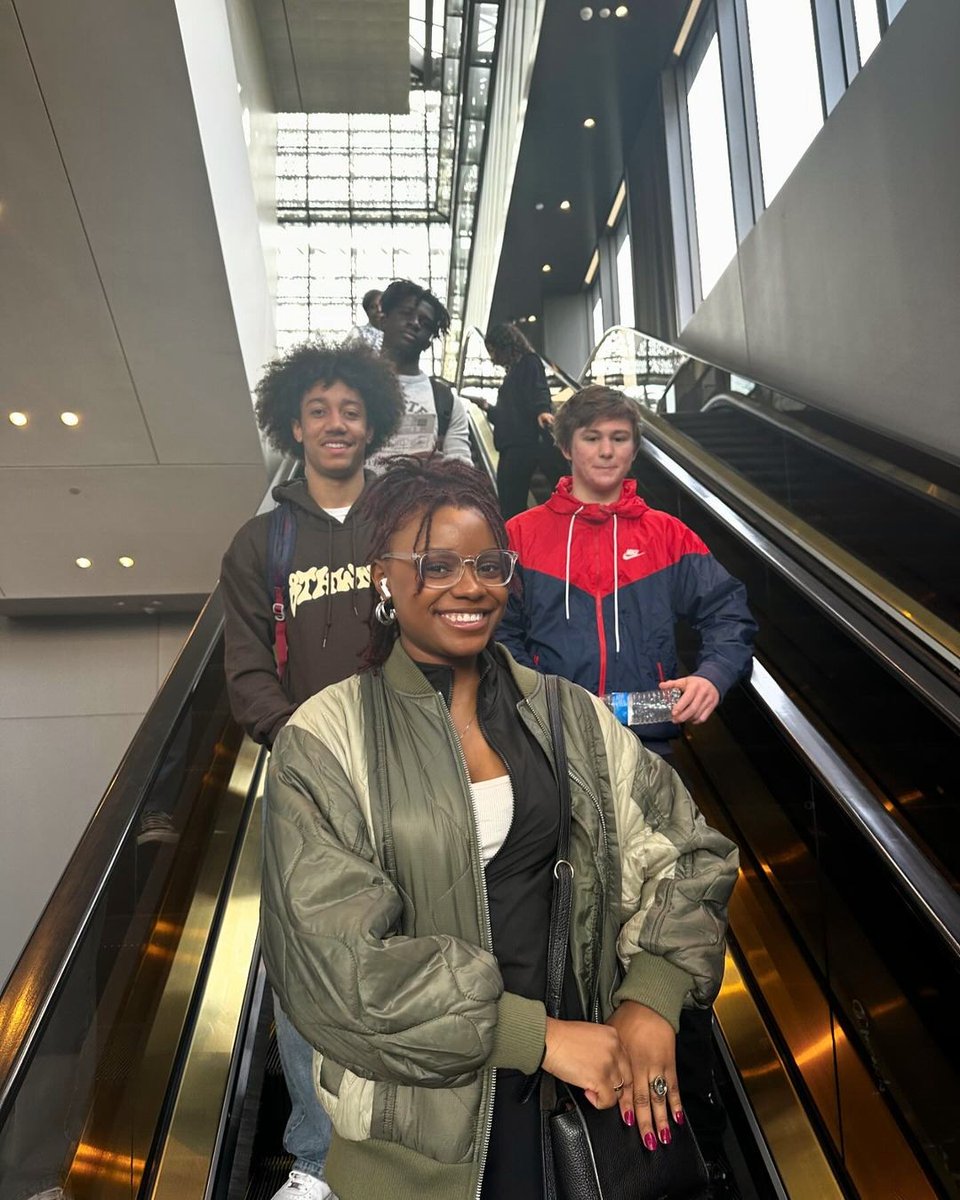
x=618 y=1087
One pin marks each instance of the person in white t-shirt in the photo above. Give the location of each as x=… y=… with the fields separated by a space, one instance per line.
x=411 y=317
x=369 y=334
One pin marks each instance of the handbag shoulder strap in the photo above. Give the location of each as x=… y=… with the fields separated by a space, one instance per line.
x=559 y=938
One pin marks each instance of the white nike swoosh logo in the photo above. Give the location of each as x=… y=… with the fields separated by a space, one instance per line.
x=628 y=554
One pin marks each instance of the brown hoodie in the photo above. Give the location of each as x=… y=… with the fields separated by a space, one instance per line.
x=327 y=613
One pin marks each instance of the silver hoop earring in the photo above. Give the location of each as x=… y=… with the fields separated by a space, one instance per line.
x=385 y=615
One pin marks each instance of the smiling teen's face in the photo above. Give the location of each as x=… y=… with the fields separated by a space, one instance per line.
x=600 y=456
x=446 y=626
x=333 y=430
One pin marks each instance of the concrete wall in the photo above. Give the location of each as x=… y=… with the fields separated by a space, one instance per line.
x=233 y=104
x=566 y=332
x=847 y=290
x=72 y=694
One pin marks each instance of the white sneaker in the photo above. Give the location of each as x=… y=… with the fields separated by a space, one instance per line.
x=301 y=1186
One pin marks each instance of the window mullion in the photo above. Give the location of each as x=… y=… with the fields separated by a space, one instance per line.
x=835 y=34
x=744 y=141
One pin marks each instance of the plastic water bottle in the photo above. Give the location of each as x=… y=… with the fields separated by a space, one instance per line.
x=642 y=708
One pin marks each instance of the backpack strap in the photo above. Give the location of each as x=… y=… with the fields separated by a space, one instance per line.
x=281 y=539
x=443 y=403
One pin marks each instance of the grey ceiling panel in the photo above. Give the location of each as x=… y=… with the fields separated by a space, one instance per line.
x=335 y=56
x=175 y=522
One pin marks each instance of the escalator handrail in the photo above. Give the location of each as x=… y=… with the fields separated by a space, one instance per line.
x=613 y=330
x=915 y=874
x=916 y=621
x=887 y=471
x=30 y=993
x=912 y=868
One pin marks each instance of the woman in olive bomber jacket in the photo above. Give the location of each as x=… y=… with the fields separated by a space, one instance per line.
x=410 y=840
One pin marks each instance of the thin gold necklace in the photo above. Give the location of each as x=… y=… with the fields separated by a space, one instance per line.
x=462 y=733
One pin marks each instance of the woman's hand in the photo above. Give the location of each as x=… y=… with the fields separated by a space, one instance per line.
x=545 y=420
x=590 y=1057
x=650 y=1045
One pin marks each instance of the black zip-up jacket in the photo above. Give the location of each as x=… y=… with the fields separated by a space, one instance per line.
x=523 y=395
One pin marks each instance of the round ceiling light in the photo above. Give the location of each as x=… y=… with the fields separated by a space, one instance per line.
x=589 y=123
x=564 y=205
x=84 y=563
x=532 y=318
x=19 y=419
x=539 y=206
x=621 y=10
x=125 y=560
x=586 y=13
x=70 y=419
x=546 y=268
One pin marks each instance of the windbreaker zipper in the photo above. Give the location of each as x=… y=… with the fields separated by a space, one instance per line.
x=602 y=855
x=487 y=933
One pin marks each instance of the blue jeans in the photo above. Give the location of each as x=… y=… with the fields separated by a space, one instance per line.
x=307 y=1135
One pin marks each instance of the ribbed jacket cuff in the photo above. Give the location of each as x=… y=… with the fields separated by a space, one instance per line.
x=521 y=1034
x=716 y=675
x=658 y=984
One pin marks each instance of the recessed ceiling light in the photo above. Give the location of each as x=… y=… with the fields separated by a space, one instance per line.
x=586 y=13
x=546 y=268
x=621 y=10
x=19 y=419
x=532 y=318
x=589 y=123
x=604 y=13
x=84 y=563
x=564 y=205
x=539 y=206
x=125 y=560
x=70 y=418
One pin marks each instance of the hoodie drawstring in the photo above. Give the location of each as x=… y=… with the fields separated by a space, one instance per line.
x=566 y=594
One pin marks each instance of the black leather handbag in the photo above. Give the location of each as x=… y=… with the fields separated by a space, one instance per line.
x=588 y=1153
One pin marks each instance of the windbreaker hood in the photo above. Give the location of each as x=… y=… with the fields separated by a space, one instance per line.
x=630 y=505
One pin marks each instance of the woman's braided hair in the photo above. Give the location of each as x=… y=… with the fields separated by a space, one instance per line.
x=420 y=484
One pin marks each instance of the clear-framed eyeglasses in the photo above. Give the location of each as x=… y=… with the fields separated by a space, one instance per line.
x=444 y=568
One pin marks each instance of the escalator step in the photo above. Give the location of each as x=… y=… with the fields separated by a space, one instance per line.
x=269 y=1177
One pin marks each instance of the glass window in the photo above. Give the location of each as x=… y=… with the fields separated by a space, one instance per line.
x=625 y=282
x=786 y=84
x=712 y=188
x=597 y=315
x=868 y=27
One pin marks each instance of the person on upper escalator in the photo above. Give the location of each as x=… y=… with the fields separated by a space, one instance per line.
x=520 y=416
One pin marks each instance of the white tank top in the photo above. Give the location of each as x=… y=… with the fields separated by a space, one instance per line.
x=493 y=809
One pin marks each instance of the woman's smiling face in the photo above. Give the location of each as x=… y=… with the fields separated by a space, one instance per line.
x=448 y=625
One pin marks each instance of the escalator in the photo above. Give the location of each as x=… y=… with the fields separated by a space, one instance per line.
x=135 y=1058
x=891 y=520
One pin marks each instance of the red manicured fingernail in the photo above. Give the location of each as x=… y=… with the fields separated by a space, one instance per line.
x=665 y=1136
x=650 y=1141
x=679 y=1117
x=629 y=1118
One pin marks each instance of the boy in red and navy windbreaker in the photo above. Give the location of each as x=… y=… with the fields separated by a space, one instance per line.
x=605 y=579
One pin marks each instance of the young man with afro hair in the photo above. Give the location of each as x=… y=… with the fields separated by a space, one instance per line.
x=331 y=407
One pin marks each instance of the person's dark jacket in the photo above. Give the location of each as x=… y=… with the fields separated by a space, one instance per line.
x=523 y=396
x=327 y=612
x=612 y=630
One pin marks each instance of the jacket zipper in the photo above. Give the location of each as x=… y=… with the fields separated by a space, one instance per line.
x=602 y=644
x=488 y=938
x=584 y=786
